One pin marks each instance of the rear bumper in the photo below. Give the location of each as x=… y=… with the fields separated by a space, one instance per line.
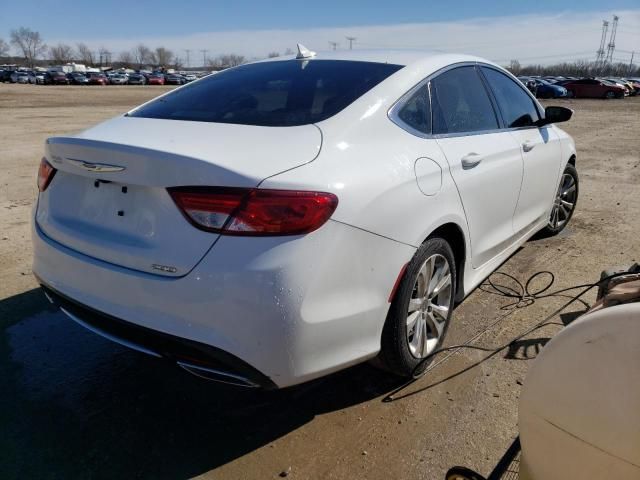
x=196 y=357
x=275 y=310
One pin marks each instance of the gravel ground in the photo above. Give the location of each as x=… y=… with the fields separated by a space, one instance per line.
x=73 y=405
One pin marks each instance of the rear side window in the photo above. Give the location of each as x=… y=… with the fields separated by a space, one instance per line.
x=416 y=112
x=274 y=94
x=516 y=106
x=461 y=103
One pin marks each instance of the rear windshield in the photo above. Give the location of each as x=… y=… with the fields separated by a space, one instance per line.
x=275 y=94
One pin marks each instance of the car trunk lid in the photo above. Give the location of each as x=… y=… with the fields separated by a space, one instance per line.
x=108 y=199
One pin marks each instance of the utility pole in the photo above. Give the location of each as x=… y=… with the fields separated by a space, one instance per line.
x=187 y=51
x=204 y=57
x=334 y=45
x=631 y=62
x=351 y=40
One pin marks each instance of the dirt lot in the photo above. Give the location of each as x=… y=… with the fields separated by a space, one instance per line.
x=73 y=405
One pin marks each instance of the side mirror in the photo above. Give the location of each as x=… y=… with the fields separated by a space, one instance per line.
x=555 y=115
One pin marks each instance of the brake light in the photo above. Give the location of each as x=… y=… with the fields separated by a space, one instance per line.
x=252 y=211
x=45 y=174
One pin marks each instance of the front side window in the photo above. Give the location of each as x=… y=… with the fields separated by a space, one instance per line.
x=274 y=94
x=416 y=112
x=516 y=106
x=460 y=103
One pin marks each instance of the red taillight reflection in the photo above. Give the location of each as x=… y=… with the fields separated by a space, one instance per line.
x=254 y=212
x=45 y=174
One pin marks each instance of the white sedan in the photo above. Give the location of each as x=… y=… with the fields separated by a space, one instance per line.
x=285 y=219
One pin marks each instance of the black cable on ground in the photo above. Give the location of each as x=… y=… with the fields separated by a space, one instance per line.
x=525 y=297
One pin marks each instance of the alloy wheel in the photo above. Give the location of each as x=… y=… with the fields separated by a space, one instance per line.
x=564 y=203
x=428 y=311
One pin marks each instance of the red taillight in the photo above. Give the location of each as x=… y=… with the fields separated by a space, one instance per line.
x=254 y=212
x=45 y=174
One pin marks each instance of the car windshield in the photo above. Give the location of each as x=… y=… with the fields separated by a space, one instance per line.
x=277 y=94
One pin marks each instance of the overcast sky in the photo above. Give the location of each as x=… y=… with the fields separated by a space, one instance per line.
x=499 y=31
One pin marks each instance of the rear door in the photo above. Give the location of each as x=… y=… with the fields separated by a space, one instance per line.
x=485 y=162
x=540 y=147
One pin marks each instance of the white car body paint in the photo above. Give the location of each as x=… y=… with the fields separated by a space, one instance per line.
x=294 y=308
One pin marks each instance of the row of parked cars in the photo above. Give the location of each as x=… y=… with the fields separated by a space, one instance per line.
x=95 y=78
x=574 y=87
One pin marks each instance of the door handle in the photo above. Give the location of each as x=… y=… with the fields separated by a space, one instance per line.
x=527 y=146
x=471 y=160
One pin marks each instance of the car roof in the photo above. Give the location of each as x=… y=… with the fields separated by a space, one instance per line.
x=396 y=57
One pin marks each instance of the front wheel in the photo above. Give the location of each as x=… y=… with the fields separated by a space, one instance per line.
x=421 y=310
x=565 y=202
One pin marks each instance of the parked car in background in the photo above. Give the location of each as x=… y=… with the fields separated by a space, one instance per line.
x=25 y=77
x=628 y=86
x=174 y=79
x=617 y=83
x=635 y=83
x=545 y=89
x=274 y=269
x=593 y=88
x=77 y=78
x=59 y=78
x=190 y=77
x=43 y=78
x=137 y=79
x=119 y=79
x=529 y=82
x=97 y=78
x=5 y=76
x=156 y=79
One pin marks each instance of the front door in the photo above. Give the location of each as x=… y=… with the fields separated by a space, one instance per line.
x=540 y=149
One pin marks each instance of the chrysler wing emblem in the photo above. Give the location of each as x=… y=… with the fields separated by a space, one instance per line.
x=96 y=167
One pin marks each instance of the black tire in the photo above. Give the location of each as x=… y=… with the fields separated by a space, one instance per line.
x=550 y=229
x=571 y=94
x=395 y=355
x=462 y=473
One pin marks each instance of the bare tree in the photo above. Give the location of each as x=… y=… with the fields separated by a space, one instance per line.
x=162 y=56
x=514 y=67
x=273 y=55
x=227 y=61
x=126 y=58
x=30 y=43
x=288 y=51
x=61 y=53
x=4 y=48
x=85 y=55
x=142 y=55
x=178 y=64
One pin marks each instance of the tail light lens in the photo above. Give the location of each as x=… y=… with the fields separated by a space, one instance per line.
x=45 y=174
x=252 y=211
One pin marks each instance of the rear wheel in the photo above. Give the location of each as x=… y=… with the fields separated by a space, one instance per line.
x=610 y=94
x=420 y=313
x=565 y=202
